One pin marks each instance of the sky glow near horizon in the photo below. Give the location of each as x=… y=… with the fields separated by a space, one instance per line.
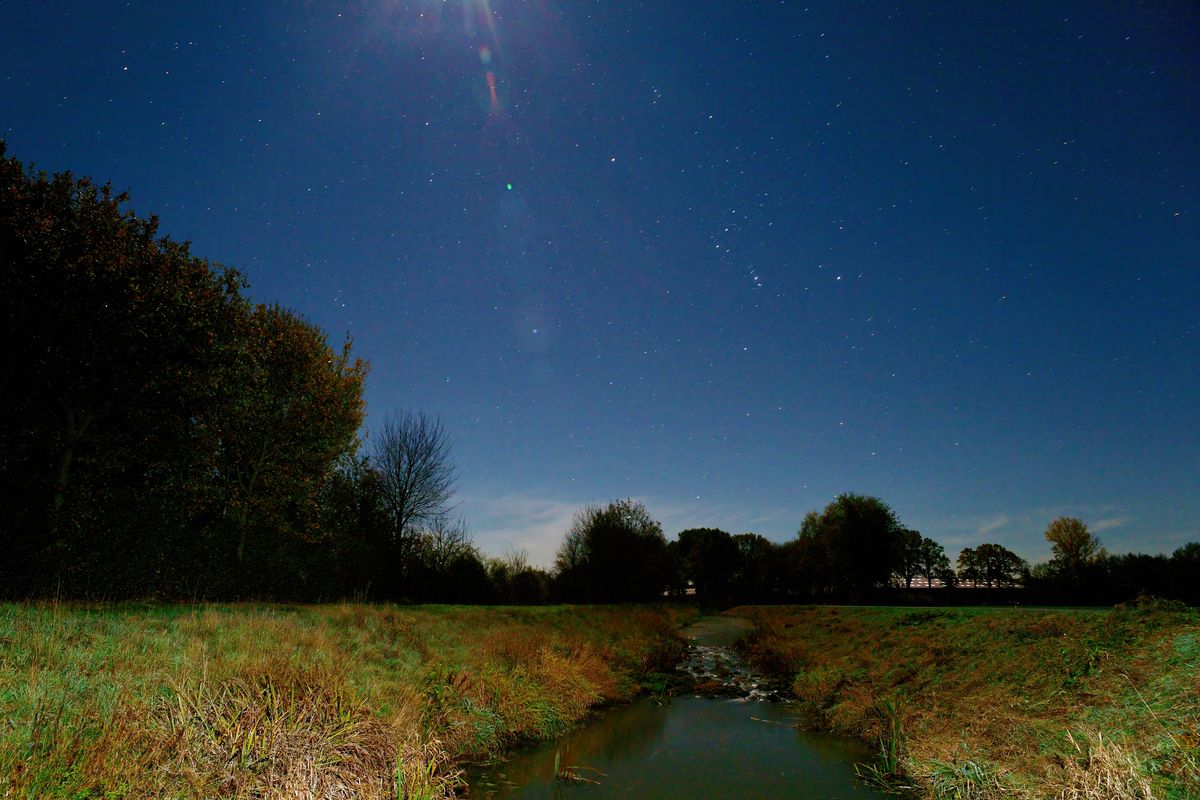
x=730 y=259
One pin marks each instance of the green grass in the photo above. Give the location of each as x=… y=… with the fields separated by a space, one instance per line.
x=243 y=701
x=984 y=703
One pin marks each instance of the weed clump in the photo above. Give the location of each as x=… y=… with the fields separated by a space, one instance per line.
x=285 y=731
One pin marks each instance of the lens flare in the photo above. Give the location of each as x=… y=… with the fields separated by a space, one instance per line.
x=491 y=82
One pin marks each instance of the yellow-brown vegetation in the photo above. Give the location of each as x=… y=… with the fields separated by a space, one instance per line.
x=340 y=701
x=1014 y=703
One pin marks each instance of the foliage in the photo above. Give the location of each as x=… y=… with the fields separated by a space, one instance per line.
x=156 y=426
x=851 y=547
x=1074 y=547
x=908 y=555
x=514 y=580
x=755 y=576
x=708 y=560
x=297 y=412
x=613 y=553
x=920 y=556
x=991 y=564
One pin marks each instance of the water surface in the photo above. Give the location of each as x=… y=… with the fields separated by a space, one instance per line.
x=739 y=746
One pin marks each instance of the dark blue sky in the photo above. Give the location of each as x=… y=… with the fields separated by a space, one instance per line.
x=727 y=258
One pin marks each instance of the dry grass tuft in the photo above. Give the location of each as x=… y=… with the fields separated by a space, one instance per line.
x=1103 y=770
x=581 y=678
x=424 y=772
x=285 y=733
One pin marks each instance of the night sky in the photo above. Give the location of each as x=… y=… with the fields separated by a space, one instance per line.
x=728 y=258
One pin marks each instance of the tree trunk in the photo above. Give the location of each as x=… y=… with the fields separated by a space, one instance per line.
x=59 y=498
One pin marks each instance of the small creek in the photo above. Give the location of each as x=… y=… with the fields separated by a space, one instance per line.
x=731 y=739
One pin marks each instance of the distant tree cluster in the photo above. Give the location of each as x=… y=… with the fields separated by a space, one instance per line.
x=991 y=565
x=853 y=550
x=612 y=553
x=1082 y=571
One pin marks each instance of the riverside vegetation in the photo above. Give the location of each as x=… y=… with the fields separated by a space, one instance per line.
x=332 y=701
x=989 y=703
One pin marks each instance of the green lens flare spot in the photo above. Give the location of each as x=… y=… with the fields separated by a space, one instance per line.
x=508 y=186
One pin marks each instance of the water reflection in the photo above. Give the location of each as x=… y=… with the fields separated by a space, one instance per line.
x=691 y=747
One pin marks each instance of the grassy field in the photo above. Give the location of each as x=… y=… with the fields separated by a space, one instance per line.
x=322 y=701
x=990 y=703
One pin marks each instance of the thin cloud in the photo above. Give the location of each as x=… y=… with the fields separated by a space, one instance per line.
x=519 y=522
x=1108 y=524
x=992 y=525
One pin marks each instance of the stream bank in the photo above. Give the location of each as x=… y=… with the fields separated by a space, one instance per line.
x=728 y=737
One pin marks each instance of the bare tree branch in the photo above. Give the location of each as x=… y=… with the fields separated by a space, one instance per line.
x=412 y=456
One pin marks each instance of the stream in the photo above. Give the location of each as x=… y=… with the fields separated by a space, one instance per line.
x=732 y=738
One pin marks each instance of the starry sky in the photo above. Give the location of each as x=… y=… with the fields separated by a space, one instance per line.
x=728 y=258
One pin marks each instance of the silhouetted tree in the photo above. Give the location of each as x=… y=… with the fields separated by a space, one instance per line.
x=442 y=541
x=992 y=565
x=613 y=553
x=707 y=559
x=756 y=578
x=934 y=564
x=920 y=556
x=1074 y=547
x=970 y=566
x=415 y=484
x=909 y=555
x=851 y=546
x=1001 y=566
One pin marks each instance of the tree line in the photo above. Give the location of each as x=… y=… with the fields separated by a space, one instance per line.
x=164 y=436
x=854 y=550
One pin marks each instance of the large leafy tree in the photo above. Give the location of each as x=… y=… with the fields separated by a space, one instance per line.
x=116 y=338
x=613 y=553
x=708 y=559
x=150 y=410
x=992 y=565
x=292 y=411
x=1001 y=566
x=1074 y=547
x=854 y=544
